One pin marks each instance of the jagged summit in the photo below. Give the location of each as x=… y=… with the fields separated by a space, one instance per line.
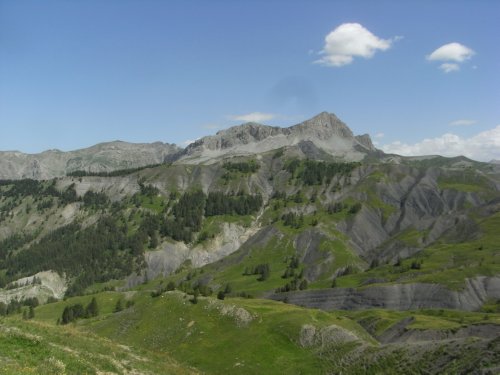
x=324 y=124
x=324 y=131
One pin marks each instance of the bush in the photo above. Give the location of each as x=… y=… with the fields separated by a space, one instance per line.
x=118 y=306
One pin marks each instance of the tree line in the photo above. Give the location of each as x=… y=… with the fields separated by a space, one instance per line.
x=77 y=311
x=118 y=172
x=86 y=255
x=245 y=167
x=187 y=214
x=312 y=172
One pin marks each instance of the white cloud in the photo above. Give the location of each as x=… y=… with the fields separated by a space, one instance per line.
x=379 y=135
x=463 y=122
x=453 y=54
x=253 y=117
x=449 y=67
x=483 y=146
x=351 y=40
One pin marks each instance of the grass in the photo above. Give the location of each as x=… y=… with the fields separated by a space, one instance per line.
x=101 y=287
x=463 y=187
x=447 y=264
x=106 y=301
x=275 y=253
x=201 y=336
x=369 y=186
x=213 y=336
x=212 y=225
x=342 y=257
x=155 y=203
x=171 y=335
x=381 y=320
x=34 y=347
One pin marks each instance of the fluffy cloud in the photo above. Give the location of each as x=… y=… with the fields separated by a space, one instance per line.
x=483 y=146
x=253 y=117
x=453 y=54
x=463 y=122
x=449 y=67
x=350 y=40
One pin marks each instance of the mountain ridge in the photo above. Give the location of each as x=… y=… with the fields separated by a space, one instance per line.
x=325 y=130
x=323 y=133
x=101 y=157
x=323 y=137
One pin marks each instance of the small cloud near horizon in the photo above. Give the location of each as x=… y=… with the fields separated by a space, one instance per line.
x=253 y=117
x=463 y=122
x=351 y=40
x=483 y=146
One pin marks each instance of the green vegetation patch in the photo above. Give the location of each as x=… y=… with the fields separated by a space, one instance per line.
x=30 y=347
x=467 y=181
x=235 y=335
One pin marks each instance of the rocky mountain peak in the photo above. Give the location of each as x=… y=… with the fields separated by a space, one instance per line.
x=325 y=131
x=324 y=126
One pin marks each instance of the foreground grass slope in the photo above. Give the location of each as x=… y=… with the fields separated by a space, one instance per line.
x=237 y=335
x=34 y=347
x=170 y=334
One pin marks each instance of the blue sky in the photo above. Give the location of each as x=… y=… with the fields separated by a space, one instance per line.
x=75 y=73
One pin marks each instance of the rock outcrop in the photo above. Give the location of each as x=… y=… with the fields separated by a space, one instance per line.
x=399 y=296
x=325 y=131
x=43 y=285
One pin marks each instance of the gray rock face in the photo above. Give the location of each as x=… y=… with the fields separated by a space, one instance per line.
x=325 y=131
x=103 y=157
x=415 y=202
x=399 y=296
x=50 y=284
x=399 y=333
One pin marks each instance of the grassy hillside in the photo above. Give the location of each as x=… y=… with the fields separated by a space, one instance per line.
x=445 y=262
x=252 y=336
x=307 y=225
x=170 y=334
x=33 y=347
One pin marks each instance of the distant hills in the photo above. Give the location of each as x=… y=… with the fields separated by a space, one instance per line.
x=324 y=134
x=103 y=157
x=323 y=137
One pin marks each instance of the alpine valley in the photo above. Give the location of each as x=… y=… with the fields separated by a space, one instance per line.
x=258 y=250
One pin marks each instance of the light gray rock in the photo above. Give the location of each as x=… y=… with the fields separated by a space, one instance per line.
x=399 y=333
x=323 y=133
x=399 y=296
x=50 y=284
x=103 y=157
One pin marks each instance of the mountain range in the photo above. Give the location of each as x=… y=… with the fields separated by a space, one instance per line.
x=256 y=250
x=324 y=133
